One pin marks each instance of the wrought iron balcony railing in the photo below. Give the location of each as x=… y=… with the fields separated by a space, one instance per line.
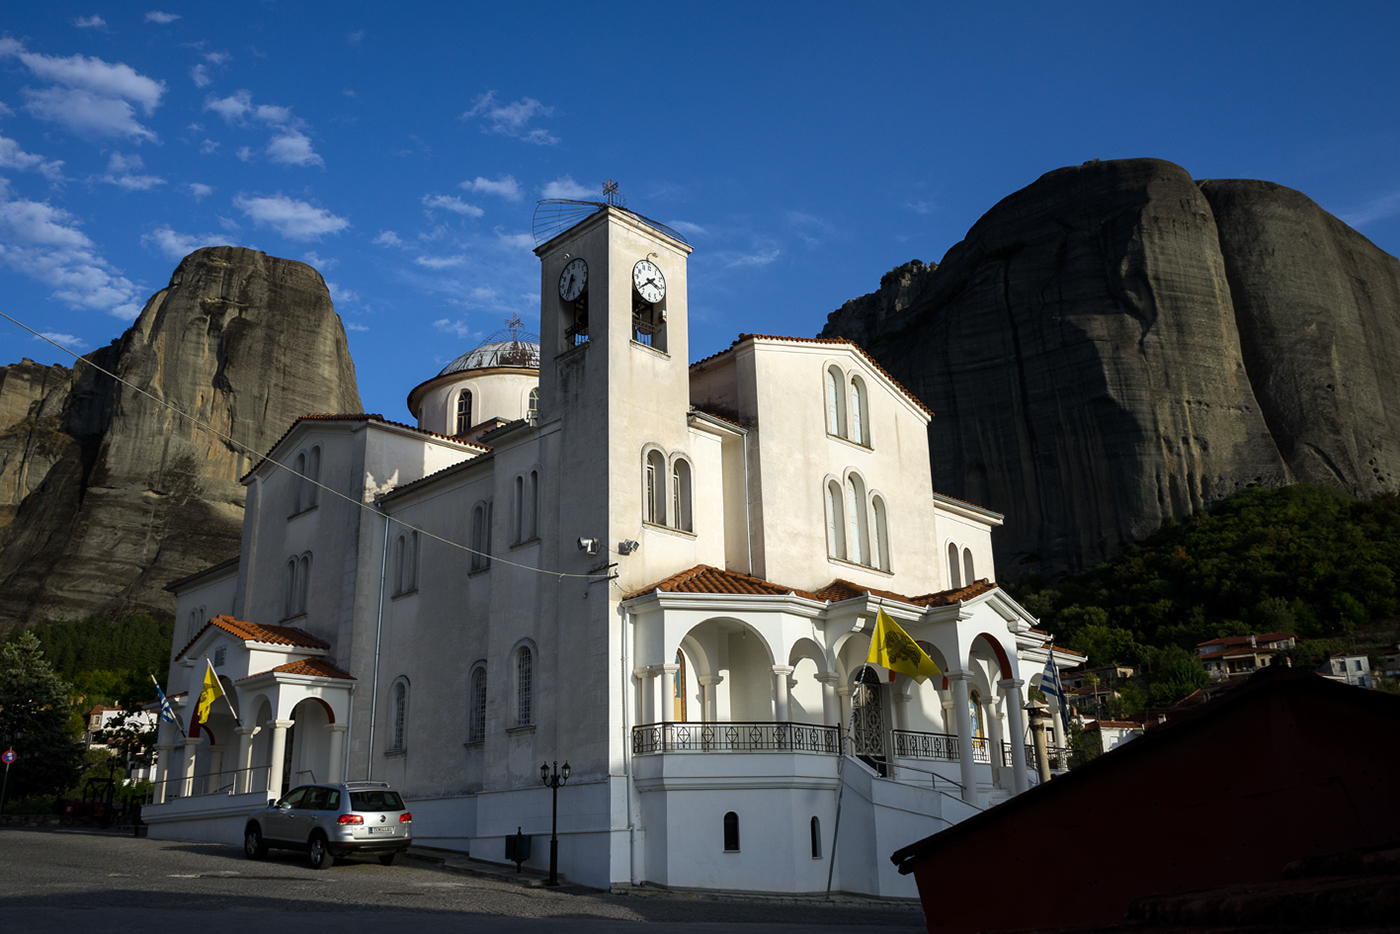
x=746 y=736
x=911 y=744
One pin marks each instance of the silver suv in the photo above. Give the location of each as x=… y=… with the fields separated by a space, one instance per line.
x=326 y=821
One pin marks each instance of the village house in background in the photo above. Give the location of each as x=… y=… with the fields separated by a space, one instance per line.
x=1242 y=655
x=716 y=542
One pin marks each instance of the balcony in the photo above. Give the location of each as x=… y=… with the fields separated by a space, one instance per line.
x=944 y=747
x=746 y=736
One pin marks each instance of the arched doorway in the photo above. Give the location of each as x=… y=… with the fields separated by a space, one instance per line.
x=868 y=720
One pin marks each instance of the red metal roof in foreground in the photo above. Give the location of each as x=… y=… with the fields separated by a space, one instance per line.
x=255 y=632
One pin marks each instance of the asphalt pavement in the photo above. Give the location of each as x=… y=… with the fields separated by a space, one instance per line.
x=61 y=881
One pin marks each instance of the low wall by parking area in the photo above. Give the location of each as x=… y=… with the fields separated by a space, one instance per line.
x=207 y=818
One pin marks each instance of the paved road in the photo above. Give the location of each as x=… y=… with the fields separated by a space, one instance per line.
x=63 y=881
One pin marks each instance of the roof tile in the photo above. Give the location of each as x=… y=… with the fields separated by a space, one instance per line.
x=315 y=667
x=354 y=417
x=706 y=579
x=256 y=632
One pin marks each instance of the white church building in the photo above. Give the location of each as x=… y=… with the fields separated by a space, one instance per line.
x=664 y=574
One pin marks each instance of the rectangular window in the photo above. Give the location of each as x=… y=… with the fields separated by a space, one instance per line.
x=219 y=655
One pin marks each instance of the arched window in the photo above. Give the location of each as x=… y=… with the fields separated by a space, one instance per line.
x=193 y=625
x=532 y=407
x=969 y=575
x=532 y=523
x=654 y=492
x=398 y=733
x=882 y=533
x=303 y=582
x=399 y=565
x=293 y=589
x=481 y=535
x=313 y=474
x=298 y=482
x=860 y=412
x=406 y=564
x=816 y=838
x=835 y=521
x=835 y=402
x=954 y=581
x=517 y=519
x=476 y=715
x=680 y=495
x=464 y=411
x=524 y=686
x=859 y=551
x=731 y=832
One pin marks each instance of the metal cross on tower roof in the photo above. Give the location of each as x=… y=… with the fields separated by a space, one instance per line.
x=610 y=193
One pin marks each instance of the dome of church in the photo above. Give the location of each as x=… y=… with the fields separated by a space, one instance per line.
x=509 y=347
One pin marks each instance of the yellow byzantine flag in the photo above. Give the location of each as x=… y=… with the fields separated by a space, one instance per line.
x=212 y=690
x=891 y=647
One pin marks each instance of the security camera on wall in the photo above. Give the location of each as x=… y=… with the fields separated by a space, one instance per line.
x=588 y=545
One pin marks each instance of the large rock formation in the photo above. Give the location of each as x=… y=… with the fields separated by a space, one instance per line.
x=1117 y=344
x=106 y=494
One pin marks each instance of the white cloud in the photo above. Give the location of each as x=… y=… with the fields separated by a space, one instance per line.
x=566 y=187
x=521 y=241
x=217 y=58
x=293 y=147
x=95 y=97
x=232 y=108
x=505 y=187
x=810 y=229
x=176 y=245
x=199 y=190
x=156 y=16
x=121 y=171
x=341 y=295
x=295 y=220
x=199 y=74
x=208 y=146
x=453 y=204
x=312 y=258
x=513 y=119
x=274 y=114
x=440 y=262
x=457 y=328
x=90 y=22
x=356 y=37
x=67 y=340
x=245 y=153
x=44 y=243
x=689 y=229
x=12 y=157
x=351 y=326
x=1378 y=208
x=756 y=258
x=388 y=238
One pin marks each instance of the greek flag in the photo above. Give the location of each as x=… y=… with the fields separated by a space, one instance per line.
x=1051 y=687
x=167 y=713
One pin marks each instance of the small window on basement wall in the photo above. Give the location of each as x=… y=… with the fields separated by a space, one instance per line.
x=731 y=832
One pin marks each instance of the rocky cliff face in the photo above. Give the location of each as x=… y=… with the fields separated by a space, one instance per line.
x=1117 y=344
x=105 y=494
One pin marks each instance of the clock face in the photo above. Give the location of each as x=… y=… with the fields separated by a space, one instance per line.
x=573 y=279
x=651 y=285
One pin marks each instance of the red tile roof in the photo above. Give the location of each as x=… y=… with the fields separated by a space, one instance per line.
x=1260 y=637
x=706 y=579
x=314 y=667
x=1113 y=724
x=256 y=632
x=355 y=417
x=822 y=340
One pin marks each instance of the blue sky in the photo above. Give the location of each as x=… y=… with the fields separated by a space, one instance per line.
x=804 y=149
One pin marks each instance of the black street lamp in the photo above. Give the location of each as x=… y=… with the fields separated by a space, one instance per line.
x=554 y=781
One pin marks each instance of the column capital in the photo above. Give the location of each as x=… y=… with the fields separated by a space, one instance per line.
x=901 y=698
x=958 y=675
x=1007 y=684
x=672 y=668
x=782 y=669
x=827 y=677
x=642 y=672
x=165 y=746
x=709 y=680
x=192 y=740
x=247 y=730
x=281 y=724
x=337 y=727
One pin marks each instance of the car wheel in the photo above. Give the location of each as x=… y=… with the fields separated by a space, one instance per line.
x=320 y=853
x=254 y=846
x=389 y=859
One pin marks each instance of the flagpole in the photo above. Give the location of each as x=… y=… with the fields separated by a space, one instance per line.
x=237 y=719
x=167 y=708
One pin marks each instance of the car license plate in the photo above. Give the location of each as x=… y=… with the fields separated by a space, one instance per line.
x=381 y=830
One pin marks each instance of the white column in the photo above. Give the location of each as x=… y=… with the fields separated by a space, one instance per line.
x=1061 y=721
x=843 y=698
x=997 y=750
x=216 y=768
x=780 y=692
x=164 y=753
x=647 y=698
x=279 y=754
x=948 y=725
x=710 y=706
x=337 y=731
x=187 y=771
x=901 y=709
x=1011 y=688
x=668 y=691
x=966 y=767
x=244 y=782
x=831 y=706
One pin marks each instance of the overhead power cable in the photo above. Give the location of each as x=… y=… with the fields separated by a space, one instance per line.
x=235 y=443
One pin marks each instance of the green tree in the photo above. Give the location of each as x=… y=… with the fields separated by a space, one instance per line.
x=34 y=720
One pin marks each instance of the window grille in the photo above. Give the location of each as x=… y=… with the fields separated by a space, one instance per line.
x=524 y=687
x=219 y=655
x=533 y=406
x=464 y=412
x=477 y=727
x=400 y=714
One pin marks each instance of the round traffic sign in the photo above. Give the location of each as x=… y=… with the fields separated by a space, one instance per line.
x=7 y=756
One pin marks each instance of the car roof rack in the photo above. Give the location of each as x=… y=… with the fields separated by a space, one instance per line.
x=366 y=784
